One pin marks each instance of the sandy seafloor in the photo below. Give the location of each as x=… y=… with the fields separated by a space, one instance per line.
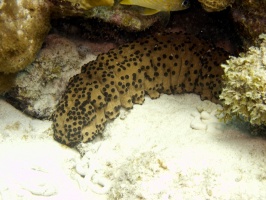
x=170 y=148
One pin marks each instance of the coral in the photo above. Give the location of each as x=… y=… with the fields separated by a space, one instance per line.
x=87 y=4
x=39 y=87
x=82 y=4
x=168 y=63
x=215 y=5
x=250 y=19
x=119 y=16
x=153 y=7
x=126 y=18
x=74 y=7
x=244 y=93
x=23 y=27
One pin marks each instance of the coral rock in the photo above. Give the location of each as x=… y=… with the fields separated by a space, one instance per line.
x=215 y=5
x=118 y=15
x=23 y=26
x=76 y=7
x=82 y=4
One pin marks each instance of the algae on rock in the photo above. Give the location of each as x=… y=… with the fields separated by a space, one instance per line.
x=244 y=93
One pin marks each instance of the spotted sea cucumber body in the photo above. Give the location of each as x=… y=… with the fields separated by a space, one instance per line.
x=168 y=63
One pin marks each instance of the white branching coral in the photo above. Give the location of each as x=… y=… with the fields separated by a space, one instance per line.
x=244 y=93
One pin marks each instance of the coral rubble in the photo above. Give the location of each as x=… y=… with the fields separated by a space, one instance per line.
x=244 y=93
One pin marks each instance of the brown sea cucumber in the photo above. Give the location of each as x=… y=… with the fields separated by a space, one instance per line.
x=168 y=63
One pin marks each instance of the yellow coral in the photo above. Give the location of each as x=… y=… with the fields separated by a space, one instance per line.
x=215 y=5
x=244 y=93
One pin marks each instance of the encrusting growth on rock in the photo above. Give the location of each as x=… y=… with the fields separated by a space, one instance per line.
x=168 y=63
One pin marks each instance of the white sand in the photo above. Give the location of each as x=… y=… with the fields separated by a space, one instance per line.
x=170 y=148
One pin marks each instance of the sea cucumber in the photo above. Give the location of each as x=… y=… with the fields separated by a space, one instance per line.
x=168 y=63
